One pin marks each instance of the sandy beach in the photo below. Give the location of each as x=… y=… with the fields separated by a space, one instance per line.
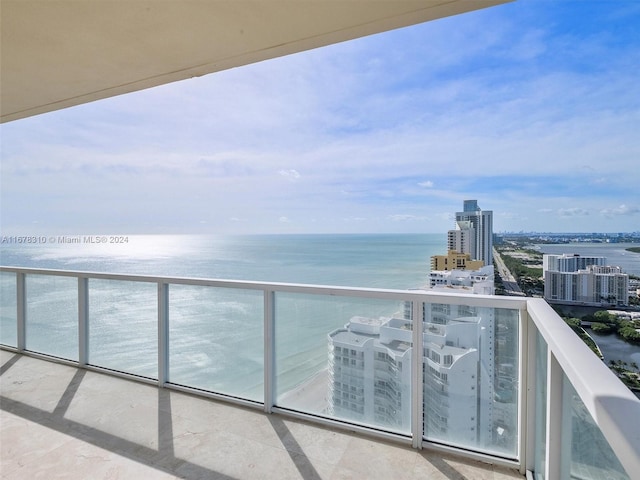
x=310 y=396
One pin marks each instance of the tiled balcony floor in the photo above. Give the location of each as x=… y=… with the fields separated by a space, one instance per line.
x=57 y=421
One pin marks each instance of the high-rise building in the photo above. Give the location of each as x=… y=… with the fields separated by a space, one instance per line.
x=470 y=206
x=584 y=280
x=454 y=260
x=469 y=364
x=570 y=262
x=462 y=239
x=370 y=371
x=478 y=225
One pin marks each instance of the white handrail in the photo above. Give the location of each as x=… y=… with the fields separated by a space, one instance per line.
x=612 y=405
x=373 y=293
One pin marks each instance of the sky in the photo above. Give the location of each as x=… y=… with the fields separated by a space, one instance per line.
x=532 y=108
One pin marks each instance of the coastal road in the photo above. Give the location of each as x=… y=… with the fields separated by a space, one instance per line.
x=510 y=285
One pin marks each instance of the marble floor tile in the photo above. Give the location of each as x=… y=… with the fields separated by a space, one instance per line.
x=57 y=421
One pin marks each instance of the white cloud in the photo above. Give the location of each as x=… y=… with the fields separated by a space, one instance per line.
x=291 y=174
x=510 y=215
x=354 y=219
x=621 y=210
x=495 y=105
x=284 y=220
x=426 y=184
x=572 y=212
x=405 y=218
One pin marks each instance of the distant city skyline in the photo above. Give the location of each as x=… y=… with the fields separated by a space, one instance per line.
x=532 y=108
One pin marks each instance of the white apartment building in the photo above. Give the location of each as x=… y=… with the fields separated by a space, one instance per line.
x=478 y=225
x=584 y=280
x=462 y=239
x=370 y=371
x=570 y=262
x=479 y=282
x=469 y=373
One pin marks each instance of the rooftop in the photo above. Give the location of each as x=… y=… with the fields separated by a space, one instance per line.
x=57 y=418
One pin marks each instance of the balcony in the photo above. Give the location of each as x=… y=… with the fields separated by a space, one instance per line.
x=95 y=424
x=210 y=378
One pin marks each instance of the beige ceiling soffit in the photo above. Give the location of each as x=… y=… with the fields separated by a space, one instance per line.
x=59 y=53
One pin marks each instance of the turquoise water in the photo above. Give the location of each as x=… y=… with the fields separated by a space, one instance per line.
x=378 y=261
x=215 y=334
x=213 y=328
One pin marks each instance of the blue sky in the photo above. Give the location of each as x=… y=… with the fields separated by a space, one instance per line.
x=532 y=108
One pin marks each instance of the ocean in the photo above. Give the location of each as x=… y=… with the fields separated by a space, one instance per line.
x=216 y=334
x=365 y=260
x=376 y=261
x=214 y=329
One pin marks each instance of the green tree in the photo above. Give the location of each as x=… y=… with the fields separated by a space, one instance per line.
x=601 y=327
x=602 y=316
x=573 y=322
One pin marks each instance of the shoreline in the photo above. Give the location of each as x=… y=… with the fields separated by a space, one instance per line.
x=311 y=395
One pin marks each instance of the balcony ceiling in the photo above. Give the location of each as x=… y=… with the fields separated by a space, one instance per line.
x=60 y=53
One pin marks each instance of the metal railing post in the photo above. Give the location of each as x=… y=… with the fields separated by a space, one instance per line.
x=83 y=321
x=163 y=333
x=269 y=350
x=528 y=394
x=417 y=386
x=21 y=311
x=554 y=418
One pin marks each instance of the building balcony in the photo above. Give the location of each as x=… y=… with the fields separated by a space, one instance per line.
x=59 y=421
x=196 y=378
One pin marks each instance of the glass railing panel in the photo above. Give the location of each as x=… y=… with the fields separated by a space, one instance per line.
x=216 y=340
x=8 y=310
x=540 y=452
x=344 y=358
x=471 y=376
x=52 y=315
x=123 y=326
x=585 y=452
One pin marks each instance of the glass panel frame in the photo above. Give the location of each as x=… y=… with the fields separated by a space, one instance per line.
x=585 y=452
x=540 y=451
x=471 y=377
x=123 y=326
x=344 y=358
x=216 y=340
x=51 y=323
x=8 y=309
